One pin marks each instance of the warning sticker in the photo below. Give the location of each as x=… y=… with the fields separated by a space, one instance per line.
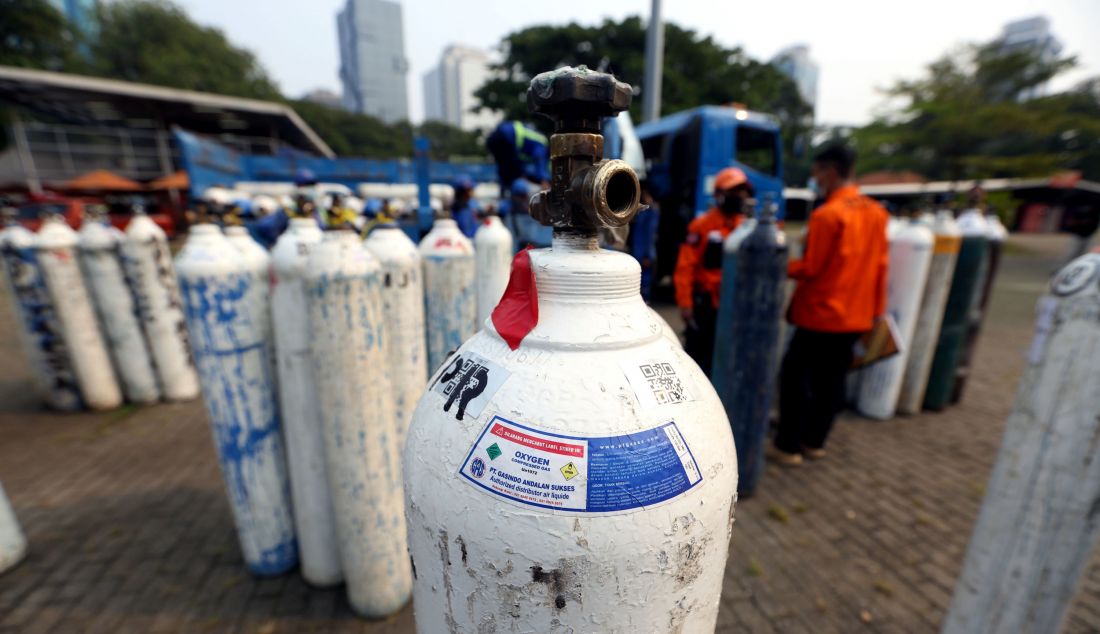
x=657 y=382
x=611 y=474
x=468 y=382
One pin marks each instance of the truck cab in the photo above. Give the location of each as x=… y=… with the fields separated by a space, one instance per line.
x=684 y=152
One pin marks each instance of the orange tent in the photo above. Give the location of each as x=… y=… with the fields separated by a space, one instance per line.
x=177 y=181
x=102 y=181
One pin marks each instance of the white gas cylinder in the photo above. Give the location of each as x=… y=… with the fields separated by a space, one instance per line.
x=579 y=480
x=235 y=368
x=910 y=260
x=403 y=299
x=13 y=543
x=945 y=251
x=257 y=262
x=1038 y=525
x=101 y=259
x=149 y=268
x=361 y=433
x=450 y=293
x=91 y=362
x=300 y=410
x=39 y=329
x=493 y=249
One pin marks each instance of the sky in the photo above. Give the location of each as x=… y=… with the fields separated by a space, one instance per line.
x=861 y=46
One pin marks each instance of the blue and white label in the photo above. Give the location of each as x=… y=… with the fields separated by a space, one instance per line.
x=609 y=474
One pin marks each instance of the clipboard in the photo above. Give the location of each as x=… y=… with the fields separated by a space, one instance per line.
x=879 y=343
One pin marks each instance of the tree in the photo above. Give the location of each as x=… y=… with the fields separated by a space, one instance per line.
x=448 y=141
x=33 y=34
x=966 y=118
x=157 y=43
x=351 y=134
x=697 y=71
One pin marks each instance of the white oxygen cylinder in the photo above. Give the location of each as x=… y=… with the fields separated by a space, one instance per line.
x=13 y=543
x=232 y=357
x=945 y=251
x=854 y=380
x=493 y=249
x=582 y=481
x=403 y=299
x=39 y=329
x=149 y=268
x=910 y=260
x=361 y=433
x=666 y=330
x=1038 y=528
x=300 y=412
x=57 y=255
x=997 y=231
x=450 y=293
x=257 y=262
x=101 y=258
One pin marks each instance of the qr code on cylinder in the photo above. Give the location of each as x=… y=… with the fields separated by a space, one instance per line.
x=664 y=383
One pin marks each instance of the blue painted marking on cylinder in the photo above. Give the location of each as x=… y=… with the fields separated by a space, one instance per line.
x=748 y=352
x=235 y=370
x=40 y=321
x=727 y=316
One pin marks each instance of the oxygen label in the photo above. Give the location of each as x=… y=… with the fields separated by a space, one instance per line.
x=611 y=474
x=467 y=383
x=656 y=383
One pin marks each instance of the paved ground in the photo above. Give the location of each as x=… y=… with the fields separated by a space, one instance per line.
x=130 y=530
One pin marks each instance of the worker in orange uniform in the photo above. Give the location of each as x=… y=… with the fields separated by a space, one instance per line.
x=841 y=291
x=698 y=272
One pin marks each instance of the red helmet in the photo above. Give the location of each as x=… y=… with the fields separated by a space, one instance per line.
x=729 y=178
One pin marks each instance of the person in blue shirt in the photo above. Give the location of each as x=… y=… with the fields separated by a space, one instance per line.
x=516 y=215
x=465 y=210
x=642 y=240
x=520 y=152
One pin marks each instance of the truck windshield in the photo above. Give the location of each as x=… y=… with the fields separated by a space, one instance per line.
x=756 y=148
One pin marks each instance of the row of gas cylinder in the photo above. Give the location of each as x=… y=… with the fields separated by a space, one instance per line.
x=311 y=359
x=939 y=283
x=940 y=276
x=99 y=312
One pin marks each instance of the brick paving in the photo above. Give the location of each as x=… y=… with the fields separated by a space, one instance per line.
x=130 y=530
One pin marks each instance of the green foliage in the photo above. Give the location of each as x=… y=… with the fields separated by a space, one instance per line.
x=449 y=142
x=350 y=134
x=697 y=71
x=963 y=119
x=157 y=43
x=33 y=34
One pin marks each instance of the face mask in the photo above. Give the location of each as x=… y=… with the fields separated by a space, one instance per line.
x=814 y=187
x=731 y=204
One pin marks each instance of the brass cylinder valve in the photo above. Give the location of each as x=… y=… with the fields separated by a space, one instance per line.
x=586 y=191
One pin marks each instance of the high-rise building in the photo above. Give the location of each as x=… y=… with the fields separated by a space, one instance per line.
x=449 y=88
x=1031 y=34
x=325 y=97
x=372 y=59
x=794 y=62
x=80 y=14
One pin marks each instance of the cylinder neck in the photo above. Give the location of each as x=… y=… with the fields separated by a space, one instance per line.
x=340 y=235
x=574 y=242
x=205 y=229
x=575 y=269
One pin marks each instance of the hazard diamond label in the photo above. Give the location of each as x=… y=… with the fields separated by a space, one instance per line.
x=493 y=450
x=569 y=470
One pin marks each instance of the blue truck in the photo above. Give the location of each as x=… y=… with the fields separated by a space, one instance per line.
x=684 y=151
